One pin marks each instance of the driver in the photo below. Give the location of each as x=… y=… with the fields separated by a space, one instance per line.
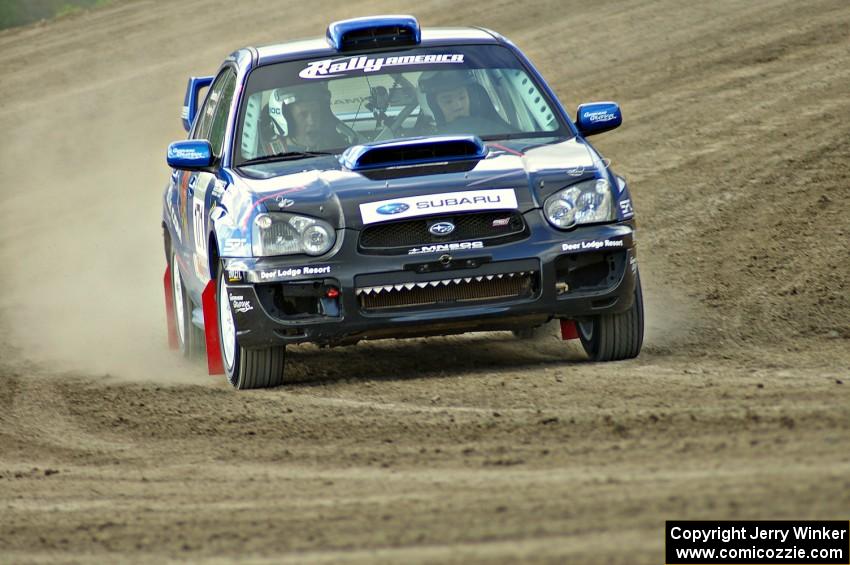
x=460 y=104
x=310 y=123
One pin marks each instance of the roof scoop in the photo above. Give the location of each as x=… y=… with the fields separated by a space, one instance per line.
x=413 y=151
x=374 y=32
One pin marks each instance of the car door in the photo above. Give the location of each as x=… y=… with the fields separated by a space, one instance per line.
x=196 y=187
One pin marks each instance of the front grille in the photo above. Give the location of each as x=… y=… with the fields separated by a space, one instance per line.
x=397 y=236
x=445 y=292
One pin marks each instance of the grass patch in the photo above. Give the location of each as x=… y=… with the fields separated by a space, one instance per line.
x=20 y=12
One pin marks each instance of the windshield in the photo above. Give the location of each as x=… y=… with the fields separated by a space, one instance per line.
x=326 y=105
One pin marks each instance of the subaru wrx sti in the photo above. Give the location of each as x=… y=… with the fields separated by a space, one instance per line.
x=387 y=181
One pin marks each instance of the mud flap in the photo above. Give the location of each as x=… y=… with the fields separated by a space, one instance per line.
x=169 y=310
x=568 y=330
x=215 y=365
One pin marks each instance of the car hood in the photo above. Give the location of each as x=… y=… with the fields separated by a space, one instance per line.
x=321 y=187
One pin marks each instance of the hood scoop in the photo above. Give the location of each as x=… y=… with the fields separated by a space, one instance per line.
x=414 y=152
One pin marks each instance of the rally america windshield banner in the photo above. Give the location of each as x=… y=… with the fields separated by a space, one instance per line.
x=288 y=73
x=328 y=68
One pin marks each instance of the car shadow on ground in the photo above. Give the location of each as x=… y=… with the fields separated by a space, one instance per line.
x=436 y=357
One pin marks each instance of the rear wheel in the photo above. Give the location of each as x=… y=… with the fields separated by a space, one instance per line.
x=245 y=368
x=612 y=337
x=189 y=338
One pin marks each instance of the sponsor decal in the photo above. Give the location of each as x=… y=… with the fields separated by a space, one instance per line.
x=235 y=246
x=198 y=225
x=442 y=228
x=599 y=116
x=594 y=244
x=626 y=207
x=328 y=68
x=444 y=203
x=579 y=170
x=350 y=101
x=443 y=247
x=218 y=188
x=186 y=153
x=239 y=304
x=283 y=202
x=292 y=272
x=234 y=276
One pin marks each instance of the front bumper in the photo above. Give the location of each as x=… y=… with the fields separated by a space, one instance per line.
x=588 y=271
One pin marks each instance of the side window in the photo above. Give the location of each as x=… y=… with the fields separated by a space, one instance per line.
x=219 y=120
x=202 y=131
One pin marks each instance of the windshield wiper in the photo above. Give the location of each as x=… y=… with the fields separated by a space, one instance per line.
x=285 y=156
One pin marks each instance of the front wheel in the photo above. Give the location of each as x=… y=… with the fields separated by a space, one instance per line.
x=612 y=337
x=245 y=368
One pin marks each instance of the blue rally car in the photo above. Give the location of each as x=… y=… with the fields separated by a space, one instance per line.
x=388 y=181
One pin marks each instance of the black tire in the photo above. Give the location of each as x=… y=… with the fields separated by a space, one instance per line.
x=190 y=339
x=245 y=368
x=613 y=337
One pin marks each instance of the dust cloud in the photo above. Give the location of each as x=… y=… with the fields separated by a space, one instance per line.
x=82 y=152
x=84 y=170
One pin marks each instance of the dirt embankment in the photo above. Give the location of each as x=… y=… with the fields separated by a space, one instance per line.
x=477 y=448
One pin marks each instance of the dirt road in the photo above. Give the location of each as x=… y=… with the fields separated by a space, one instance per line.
x=478 y=448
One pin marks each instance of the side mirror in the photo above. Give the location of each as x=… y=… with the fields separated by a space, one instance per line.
x=597 y=117
x=190 y=155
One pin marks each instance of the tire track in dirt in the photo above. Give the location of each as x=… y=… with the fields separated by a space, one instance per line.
x=40 y=417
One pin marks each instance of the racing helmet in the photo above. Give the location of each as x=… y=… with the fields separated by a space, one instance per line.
x=432 y=83
x=282 y=99
x=438 y=81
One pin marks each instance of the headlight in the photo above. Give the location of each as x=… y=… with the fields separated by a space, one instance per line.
x=290 y=234
x=583 y=203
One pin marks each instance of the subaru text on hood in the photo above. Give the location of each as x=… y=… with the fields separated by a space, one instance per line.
x=388 y=181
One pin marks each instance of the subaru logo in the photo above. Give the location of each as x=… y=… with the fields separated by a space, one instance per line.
x=442 y=228
x=392 y=208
